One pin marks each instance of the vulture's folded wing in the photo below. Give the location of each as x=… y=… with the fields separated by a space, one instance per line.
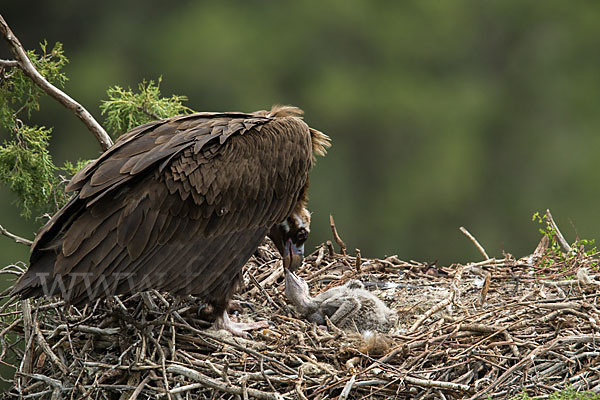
x=177 y=205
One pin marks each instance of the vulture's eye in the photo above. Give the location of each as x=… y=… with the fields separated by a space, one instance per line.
x=302 y=235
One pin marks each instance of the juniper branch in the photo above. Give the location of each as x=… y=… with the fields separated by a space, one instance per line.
x=29 y=69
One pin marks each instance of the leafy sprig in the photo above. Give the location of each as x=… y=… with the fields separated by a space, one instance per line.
x=126 y=109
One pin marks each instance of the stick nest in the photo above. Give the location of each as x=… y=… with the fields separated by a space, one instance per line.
x=493 y=328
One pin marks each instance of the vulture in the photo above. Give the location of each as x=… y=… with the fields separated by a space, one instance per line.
x=180 y=205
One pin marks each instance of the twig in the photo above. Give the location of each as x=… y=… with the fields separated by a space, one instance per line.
x=14 y=237
x=559 y=236
x=9 y=63
x=46 y=349
x=214 y=384
x=330 y=249
x=191 y=386
x=484 y=289
x=320 y=256
x=428 y=314
x=28 y=329
x=347 y=388
x=86 y=329
x=139 y=388
x=358 y=263
x=337 y=237
x=475 y=242
x=528 y=359
x=29 y=69
x=263 y=291
x=436 y=384
x=148 y=112
x=52 y=382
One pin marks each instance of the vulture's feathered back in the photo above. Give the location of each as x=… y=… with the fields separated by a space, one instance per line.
x=178 y=205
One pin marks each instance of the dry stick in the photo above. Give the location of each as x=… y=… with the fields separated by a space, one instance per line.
x=9 y=63
x=436 y=384
x=559 y=235
x=14 y=237
x=484 y=289
x=533 y=354
x=346 y=392
x=453 y=297
x=428 y=314
x=50 y=381
x=358 y=261
x=214 y=384
x=162 y=362
x=273 y=277
x=475 y=242
x=2 y=341
x=319 y=272
x=191 y=386
x=139 y=388
x=320 y=256
x=337 y=237
x=298 y=386
x=513 y=347
x=330 y=248
x=28 y=329
x=204 y=333
x=29 y=69
x=263 y=291
x=46 y=349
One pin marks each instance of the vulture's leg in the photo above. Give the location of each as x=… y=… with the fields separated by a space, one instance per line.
x=237 y=328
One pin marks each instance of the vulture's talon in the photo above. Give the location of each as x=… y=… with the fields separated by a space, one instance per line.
x=238 y=328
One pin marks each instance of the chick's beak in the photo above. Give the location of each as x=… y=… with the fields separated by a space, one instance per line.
x=296 y=290
x=292 y=256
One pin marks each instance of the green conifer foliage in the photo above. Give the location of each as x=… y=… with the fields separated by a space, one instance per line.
x=125 y=109
x=26 y=165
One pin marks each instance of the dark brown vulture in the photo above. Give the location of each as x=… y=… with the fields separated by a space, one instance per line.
x=180 y=205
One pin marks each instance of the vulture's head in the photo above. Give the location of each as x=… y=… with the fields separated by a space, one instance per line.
x=289 y=237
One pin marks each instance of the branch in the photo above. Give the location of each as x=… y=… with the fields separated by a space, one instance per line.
x=29 y=69
x=220 y=386
x=475 y=242
x=9 y=63
x=337 y=237
x=14 y=237
x=559 y=236
x=436 y=384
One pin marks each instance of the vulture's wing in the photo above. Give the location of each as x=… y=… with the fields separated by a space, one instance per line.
x=177 y=205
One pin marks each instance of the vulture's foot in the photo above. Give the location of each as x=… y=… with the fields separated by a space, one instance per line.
x=237 y=328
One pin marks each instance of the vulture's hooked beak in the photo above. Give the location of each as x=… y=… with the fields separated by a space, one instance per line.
x=292 y=255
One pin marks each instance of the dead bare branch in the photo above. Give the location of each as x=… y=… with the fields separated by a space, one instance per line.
x=337 y=237
x=14 y=237
x=29 y=69
x=559 y=236
x=475 y=242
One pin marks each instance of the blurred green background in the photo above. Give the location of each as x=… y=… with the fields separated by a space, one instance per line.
x=442 y=114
